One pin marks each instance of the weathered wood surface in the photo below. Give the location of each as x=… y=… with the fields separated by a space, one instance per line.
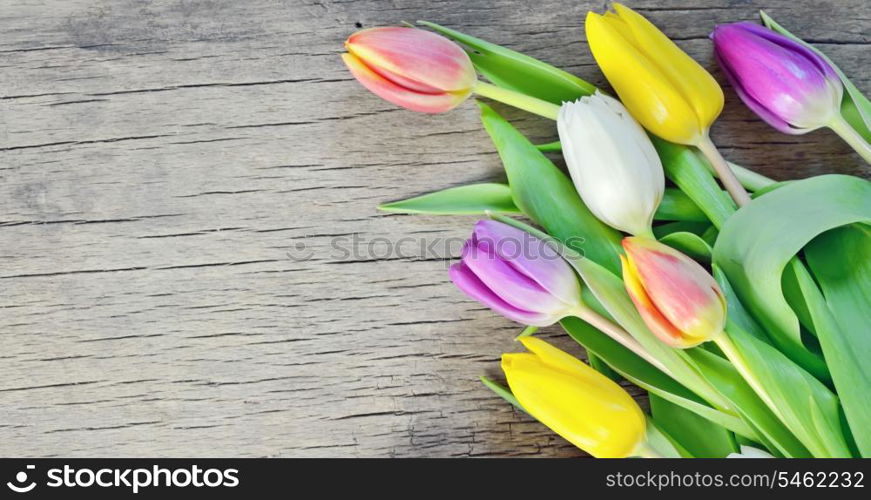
x=160 y=161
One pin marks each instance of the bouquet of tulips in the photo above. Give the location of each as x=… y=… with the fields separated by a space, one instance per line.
x=742 y=305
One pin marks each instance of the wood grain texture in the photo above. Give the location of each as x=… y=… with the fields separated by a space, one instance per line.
x=163 y=162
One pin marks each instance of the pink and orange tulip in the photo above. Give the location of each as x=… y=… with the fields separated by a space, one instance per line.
x=677 y=298
x=412 y=68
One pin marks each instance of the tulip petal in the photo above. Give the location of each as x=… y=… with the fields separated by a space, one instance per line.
x=790 y=85
x=595 y=414
x=754 y=105
x=791 y=45
x=468 y=283
x=612 y=162
x=389 y=91
x=695 y=84
x=681 y=289
x=655 y=321
x=558 y=359
x=510 y=285
x=423 y=60
x=531 y=257
x=645 y=91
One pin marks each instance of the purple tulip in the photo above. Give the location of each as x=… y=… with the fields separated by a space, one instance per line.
x=787 y=84
x=516 y=275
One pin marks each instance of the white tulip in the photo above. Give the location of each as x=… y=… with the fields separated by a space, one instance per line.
x=612 y=162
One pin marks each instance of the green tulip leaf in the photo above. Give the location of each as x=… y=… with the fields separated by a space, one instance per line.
x=691 y=173
x=503 y=392
x=757 y=243
x=755 y=248
x=795 y=297
x=806 y=406
x=738 y=316
x=478 y=199
x=473 y=199
x=697 y=228
x=602 y=367
x=770 y=431
x=840 y=260
x=694 y=433
x=547 y=195
x=513 y=70
x=662 y=441
x=550 y=147
x=676 y=205
x=690 y=244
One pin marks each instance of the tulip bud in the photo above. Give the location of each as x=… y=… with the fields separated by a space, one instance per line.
x=612 y=162
x=580 y=404
x=412 y=68
x=668 y=92
x=677 y=298
x=516 y=275
x=787 y=84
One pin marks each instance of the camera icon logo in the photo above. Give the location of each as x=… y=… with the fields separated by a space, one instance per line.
x=18 y=486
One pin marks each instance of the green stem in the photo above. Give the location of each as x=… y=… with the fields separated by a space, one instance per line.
x=617 y=333
x=721 y=167
x=529 y=330
x=851 y=137
x=810 y=440
x=728 y=347
x=518 y=100
x=749 y=179
x=646 y=233
x=550 y=147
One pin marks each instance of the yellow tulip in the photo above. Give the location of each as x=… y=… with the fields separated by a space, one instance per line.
x=580 y=404
x=668 y=92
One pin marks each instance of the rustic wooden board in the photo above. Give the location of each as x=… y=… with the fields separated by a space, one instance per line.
x=160 y=164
